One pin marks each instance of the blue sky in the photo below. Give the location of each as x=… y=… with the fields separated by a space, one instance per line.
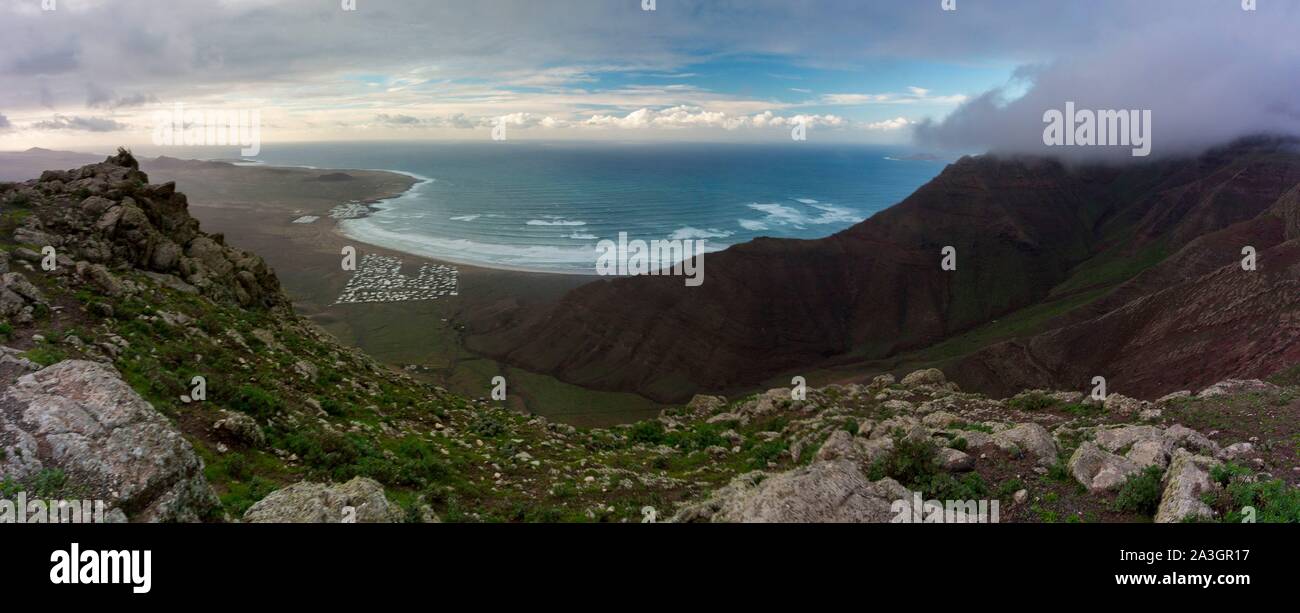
x=97 y=72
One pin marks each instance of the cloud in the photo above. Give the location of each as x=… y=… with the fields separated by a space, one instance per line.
x=85 y=124
x=102 y=98
x=897 y=123
x=42 y=60
x=1207 y=75
x=397 y=120
x=681 y=117
x=1209 y=70
x=4 y=123
x=914 y=95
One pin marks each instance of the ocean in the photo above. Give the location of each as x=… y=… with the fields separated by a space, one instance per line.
x=544 y=206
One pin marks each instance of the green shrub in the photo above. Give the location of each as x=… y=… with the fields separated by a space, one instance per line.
x=45 y=355
x=1274 y=501
x=1141 y=493
x=255 y=401
x=21 y=199
x=647 y=432
x=944 y=486
x=911 y=462
x=1224 y=473
x=333 y=407
x=767 y=451
x=488 y=425
x=1033 y=401
x=1008 y=488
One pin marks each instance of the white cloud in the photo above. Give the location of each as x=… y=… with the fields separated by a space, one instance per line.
x=914 y=95
x=897 y=123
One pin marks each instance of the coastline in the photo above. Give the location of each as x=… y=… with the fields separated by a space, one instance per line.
x=255 y=206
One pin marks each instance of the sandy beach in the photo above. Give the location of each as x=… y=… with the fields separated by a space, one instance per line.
x=255 y=207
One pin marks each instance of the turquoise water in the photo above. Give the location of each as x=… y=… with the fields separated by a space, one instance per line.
x=544 y=207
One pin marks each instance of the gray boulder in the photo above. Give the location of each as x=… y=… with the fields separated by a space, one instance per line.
x=81 y=418
x=1031 y=438
x=1115 y=439
x=1188 y=478
x=240 y=427
x=929 y=376
x=1099 y=470
x=360 y=500
x=822 y=492
x=1237 y=386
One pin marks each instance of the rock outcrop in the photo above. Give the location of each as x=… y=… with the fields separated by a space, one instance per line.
x=1188 y=478
x=834 y=485
x=360 y=500
x=106 y=217
x=80 y=418
x=824 y=492
x=1098 y=470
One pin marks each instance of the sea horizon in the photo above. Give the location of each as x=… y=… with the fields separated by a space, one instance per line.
x=544 y=206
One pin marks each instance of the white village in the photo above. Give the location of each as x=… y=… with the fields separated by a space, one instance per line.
x=379 y=278
x=350 y=210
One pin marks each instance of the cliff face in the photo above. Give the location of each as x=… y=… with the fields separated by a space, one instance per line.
x=1026 y=231
x=1191 y=320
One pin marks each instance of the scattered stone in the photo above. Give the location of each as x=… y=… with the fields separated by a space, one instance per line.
x=360 y=500
x=1236 y=450
x=834 y=492
x=1031 y=438
x=305 y=369
x=1099 y=470
x=953 y=460
x=1148 y=453
x=1123 y=406
x=1187 y=479
x=1168 y=398
x=705 y=405
x=1237 y=386
x=929 y=376
x=240 y=427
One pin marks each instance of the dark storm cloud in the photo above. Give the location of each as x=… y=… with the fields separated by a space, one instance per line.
x=1207 y=73
x=85 y=124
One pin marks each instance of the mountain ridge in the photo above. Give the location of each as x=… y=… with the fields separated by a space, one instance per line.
x=1026 y=230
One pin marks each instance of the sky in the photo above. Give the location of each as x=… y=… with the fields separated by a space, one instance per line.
x=96 y=73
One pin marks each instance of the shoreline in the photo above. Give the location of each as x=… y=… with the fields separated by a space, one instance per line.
x=376 y=205
x=255 y=206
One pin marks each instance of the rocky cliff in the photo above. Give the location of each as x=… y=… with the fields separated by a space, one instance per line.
x=1124 y=272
